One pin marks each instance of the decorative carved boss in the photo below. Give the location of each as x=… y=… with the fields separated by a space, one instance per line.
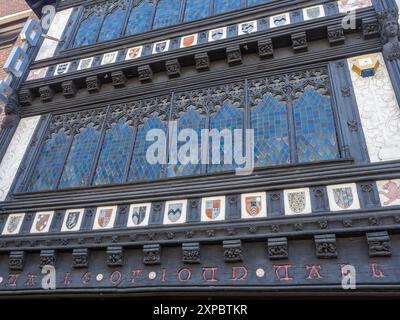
x=390 y=31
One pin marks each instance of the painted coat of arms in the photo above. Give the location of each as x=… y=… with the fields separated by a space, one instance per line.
x=213 y=209
x=62 y=68
x=314 y=12
x=104 y=217
x=253 y=205
x=161 y=47
x=217 y=34
x=175 y=212
x=85 y=63
x=297 y=201
x=344 y=197
x=391 y=191
x=138 y=215
x=72 y=220
x=189 y=40
x=134 y=53
x=13 y=223
x=280 y=20
x=248 y=27
x=42 y=221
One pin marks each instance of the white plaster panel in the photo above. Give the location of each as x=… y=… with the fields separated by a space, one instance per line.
x=348 y=5
x=55 y=31
x=15 y=152
x=379 y=112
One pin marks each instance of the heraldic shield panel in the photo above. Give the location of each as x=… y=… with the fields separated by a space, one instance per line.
x=343 y=197
x=13 y=224
x=42 y=222
x=72 y=220
x=254 y=205
x=139 y=215
x=105 y=218
x=297 y=201
x=389 y=192
x=175 y=212
x=213 y=209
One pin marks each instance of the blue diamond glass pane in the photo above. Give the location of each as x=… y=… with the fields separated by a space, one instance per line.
x=112 y=25
x=196 y=9
x=221 y=6
x=231 y=118
x=140 y=168
x=192 y=120
x=271 y=133
x=49 y=164
x=115 y=154
x=315 y=127
x=168 y=12
x=80 y=158
x=87 y=31
x=140 y=18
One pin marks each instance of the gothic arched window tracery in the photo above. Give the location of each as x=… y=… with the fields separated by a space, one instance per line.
x=292 y=117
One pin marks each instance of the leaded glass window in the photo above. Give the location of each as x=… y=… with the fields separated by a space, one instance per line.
x=271 y=132
x=112 y=25
x=191 y=119
x=229 y=117
x=88 y=29
x=293 y=110
x=115 y=154
x=140 y=168
x=315 y=128
x=292 y=117
x=168 y=13
x=140 y=18
x=221 y=6
x=77 y=168
x=50 y=163
x=196 y=9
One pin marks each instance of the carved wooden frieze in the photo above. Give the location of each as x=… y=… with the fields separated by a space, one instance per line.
x=80 y=258
x=278 y=248
x=379 y=244
x=191 y=252
x=233 y=251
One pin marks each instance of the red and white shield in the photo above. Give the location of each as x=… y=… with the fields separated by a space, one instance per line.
x=253 y=206
x=42 y=221
x=104 y=217
x=213 y=209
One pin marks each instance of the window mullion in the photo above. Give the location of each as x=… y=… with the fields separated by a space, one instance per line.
x=129 y=7
x=101 y=24
x=97 y=153
x=164 y=167
x=130 y=154
x=182 y=12
x=154 y=13
x=79 y=17
x=205 y=167
x=292 y=132
x=64 y=162
x=246 y=116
